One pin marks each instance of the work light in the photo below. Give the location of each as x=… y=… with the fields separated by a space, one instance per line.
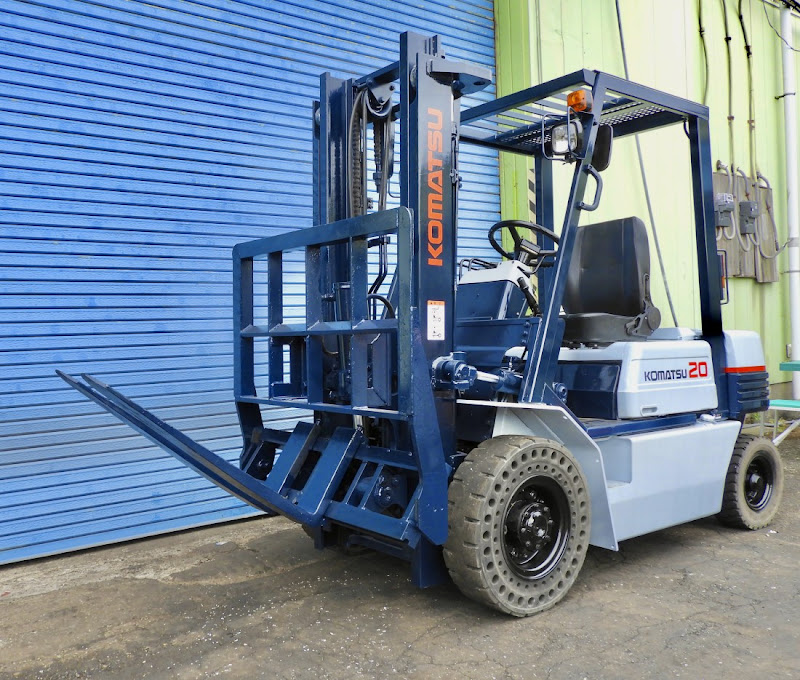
x=566 y=138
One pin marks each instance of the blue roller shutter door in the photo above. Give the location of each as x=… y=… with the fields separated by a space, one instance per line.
x=140 y=141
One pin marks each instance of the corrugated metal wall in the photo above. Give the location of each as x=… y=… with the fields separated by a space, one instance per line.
x=140 y=141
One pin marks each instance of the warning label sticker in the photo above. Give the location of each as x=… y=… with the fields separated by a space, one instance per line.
x=435 y=319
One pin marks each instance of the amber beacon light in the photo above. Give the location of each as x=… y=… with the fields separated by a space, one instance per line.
x=580 y=100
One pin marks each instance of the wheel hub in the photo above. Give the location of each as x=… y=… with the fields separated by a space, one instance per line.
x=758 y=484
x=530 y=522
x=536 y=528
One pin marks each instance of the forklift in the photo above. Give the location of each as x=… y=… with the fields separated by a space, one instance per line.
x=487 y=420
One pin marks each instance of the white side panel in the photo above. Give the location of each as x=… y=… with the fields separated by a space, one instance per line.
x=660 y=479
x=743 y=350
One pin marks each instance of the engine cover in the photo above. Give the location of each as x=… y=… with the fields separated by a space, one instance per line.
x=657 y=377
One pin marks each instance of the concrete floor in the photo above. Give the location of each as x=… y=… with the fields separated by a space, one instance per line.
x=254 y=600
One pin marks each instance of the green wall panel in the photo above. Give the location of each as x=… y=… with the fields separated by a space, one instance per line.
x=541 y=39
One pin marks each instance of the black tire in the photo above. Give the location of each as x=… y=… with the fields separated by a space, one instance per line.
x=753 y=485
x=519 y=518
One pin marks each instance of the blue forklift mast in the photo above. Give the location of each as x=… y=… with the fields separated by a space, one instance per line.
x=386 y=378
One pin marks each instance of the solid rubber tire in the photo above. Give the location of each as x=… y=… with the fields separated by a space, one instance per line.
x=735 y=510
x=479 y=494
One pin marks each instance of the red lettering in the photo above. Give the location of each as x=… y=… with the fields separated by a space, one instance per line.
x=698 y=369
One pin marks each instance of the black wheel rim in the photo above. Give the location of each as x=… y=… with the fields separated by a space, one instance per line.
x=536 y=528
x=758 y=482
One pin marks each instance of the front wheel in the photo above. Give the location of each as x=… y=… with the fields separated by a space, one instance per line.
x=519 y=518
x=753 y=485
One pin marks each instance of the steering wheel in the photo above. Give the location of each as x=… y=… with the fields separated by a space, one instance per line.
x=521 y=245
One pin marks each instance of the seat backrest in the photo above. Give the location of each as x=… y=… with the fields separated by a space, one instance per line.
x=610 y=269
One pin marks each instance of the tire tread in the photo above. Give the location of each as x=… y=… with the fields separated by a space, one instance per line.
x=735 y=511
x=462 y=552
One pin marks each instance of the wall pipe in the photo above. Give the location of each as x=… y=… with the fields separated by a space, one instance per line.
x=792 y=196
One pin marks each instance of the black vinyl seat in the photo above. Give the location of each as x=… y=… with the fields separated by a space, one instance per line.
x=607 y=297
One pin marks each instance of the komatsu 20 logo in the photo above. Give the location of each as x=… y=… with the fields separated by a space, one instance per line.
x=697 y=369
x=435 y=188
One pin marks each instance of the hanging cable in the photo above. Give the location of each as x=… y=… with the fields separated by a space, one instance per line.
x=751 y=103
x=702 y=29
x=775 y=30
x=744 y=243
x=754 y=237
x=644 y=180
x=731 y=146
x=778 y=248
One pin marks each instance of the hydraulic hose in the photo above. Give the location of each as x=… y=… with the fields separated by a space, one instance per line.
x=355 y=166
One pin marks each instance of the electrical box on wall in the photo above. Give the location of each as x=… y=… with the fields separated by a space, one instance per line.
x=745 y=226
x=748 y=213
x=724 y=205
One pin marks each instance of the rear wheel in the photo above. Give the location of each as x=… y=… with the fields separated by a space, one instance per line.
x=753 y=485
x=519 y=518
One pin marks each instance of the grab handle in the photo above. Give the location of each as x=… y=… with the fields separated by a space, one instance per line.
x=597 y=193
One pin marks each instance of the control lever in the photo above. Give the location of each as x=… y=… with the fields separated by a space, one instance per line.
x=525 y=287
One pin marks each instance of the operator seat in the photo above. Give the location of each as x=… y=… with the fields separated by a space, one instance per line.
x=607 y=296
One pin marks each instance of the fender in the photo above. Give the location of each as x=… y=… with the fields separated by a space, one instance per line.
x=553 y=422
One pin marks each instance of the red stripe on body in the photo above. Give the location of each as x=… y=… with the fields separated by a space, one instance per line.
x=745 y=369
